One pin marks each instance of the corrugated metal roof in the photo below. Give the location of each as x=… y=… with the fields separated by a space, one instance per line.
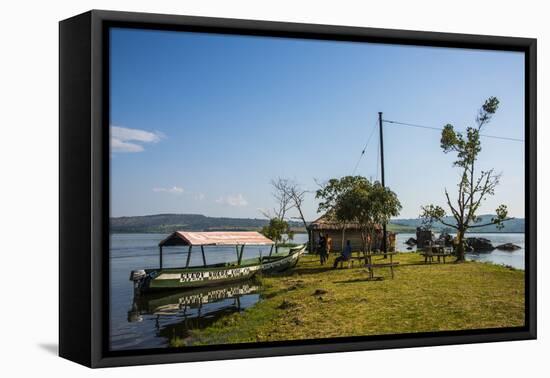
x=216 y=238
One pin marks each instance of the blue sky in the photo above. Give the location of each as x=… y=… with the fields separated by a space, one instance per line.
x=200 y=123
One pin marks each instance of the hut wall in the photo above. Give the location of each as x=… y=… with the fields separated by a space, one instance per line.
x=336 y=235
x=354 y=236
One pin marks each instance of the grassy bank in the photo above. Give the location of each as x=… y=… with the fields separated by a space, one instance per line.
x=314 y=301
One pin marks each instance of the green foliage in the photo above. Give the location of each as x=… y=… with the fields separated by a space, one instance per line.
x=354 y=199
x=277 y=230
x=331 y=192
x=430 y=214
x=368 y=204
x=468 y=147
x=500 y=217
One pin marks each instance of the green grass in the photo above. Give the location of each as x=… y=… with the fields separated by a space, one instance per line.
x=314 y=301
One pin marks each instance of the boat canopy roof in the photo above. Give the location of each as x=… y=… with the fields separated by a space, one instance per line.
x=187 y=238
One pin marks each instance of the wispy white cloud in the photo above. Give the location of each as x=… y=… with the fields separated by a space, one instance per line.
x=172 y=190
x=199 y=196
x=233 y=200
x=124 y=139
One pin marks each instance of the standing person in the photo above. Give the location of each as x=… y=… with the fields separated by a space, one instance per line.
x=329 y=246
x=322 y=249
x=345 y=256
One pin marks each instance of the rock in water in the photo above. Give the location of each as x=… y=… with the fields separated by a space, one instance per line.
x=479 y=245
x=508 y=247
x=411 y=241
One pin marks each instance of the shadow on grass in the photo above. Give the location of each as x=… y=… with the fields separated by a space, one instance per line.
x=420 y=263
x=360 y=280
x=320 y=269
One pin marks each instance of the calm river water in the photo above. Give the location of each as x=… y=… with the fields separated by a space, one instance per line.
x=164 y=320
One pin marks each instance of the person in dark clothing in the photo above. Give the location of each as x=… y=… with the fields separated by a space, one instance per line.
x=322 y=249
x=345 y=256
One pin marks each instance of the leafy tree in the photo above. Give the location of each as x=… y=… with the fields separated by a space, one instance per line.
x=354 y=199
x=368 y=205
x=474 y=187
x=330 y=194
x=276 y=230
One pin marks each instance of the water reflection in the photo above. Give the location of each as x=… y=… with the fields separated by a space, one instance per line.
x=173 y=315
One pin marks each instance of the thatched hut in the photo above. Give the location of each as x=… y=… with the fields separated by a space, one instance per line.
x=334 y=230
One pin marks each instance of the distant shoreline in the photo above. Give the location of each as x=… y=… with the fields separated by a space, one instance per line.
x=304 y=232
x=167 y=223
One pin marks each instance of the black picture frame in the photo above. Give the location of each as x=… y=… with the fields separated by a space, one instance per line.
x=84 y=186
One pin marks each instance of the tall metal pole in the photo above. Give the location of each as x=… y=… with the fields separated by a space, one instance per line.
x=384 y=235
x=160 y=256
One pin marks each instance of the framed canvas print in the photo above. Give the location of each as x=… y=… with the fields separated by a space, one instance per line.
x=234 y=188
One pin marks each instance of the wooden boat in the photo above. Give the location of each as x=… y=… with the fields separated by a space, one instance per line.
x=214 y=274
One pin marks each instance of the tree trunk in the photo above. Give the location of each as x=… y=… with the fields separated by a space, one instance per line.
x=309 y=235
x=460 y=246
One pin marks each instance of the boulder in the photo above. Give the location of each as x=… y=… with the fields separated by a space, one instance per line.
x=411 y=241
x=479 y=245
x=508 y=247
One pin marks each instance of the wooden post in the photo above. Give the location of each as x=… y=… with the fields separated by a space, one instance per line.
x=203 y=255
x=160 y=256
x=391 y=265
x=237 y=252
x=271 y=250
x=241 y=255
x=188 y=256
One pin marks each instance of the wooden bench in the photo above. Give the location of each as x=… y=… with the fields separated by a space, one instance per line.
x=435 y=250
x=370 y=265
x=366 y=260
x=429 y=256
x=390 y=265
x=350 y=261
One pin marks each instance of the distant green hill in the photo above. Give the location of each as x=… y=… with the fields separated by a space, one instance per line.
x=166 y=223
x=514 y=225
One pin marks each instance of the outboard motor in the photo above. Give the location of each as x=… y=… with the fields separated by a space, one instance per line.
x=137 y=276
